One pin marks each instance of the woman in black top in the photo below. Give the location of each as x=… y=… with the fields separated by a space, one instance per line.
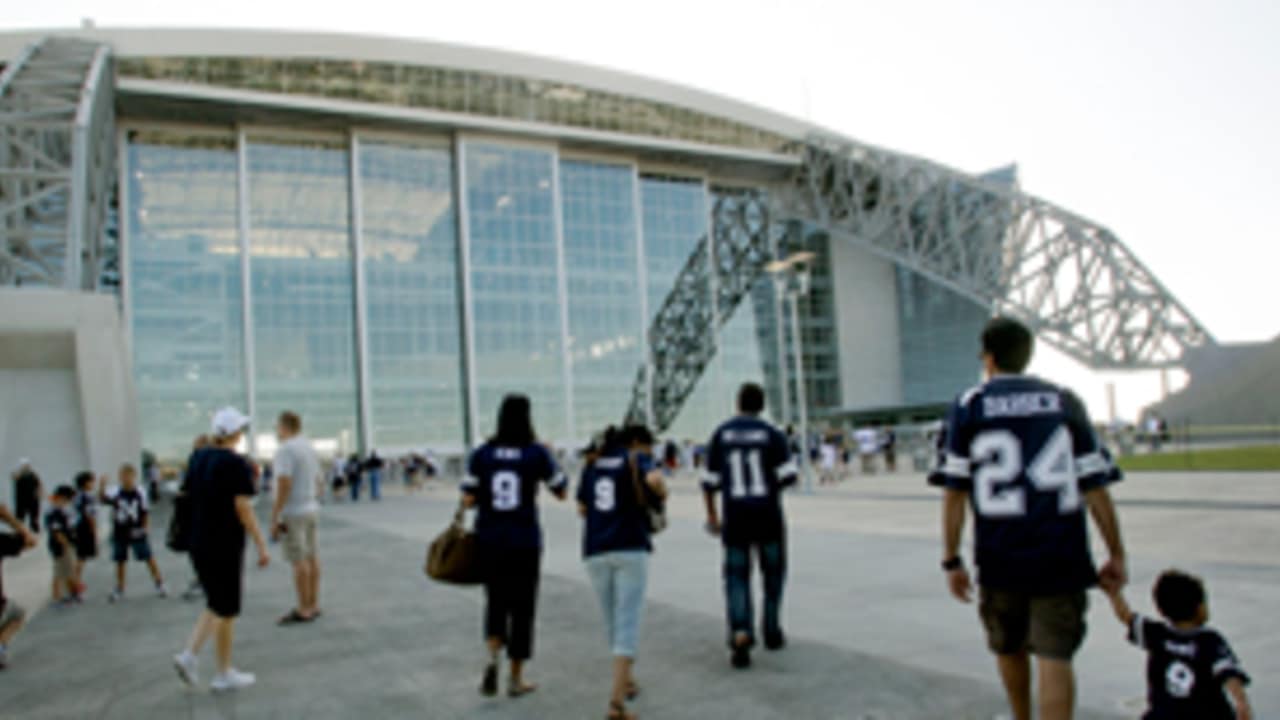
x=502 y=485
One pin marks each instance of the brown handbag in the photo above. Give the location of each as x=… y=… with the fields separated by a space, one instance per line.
x=451 y=557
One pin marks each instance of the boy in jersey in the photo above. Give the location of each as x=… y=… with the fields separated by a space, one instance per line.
x=748 y=464
x=1022 y=453
x=1188 y=664
x=58 y=522
x=86 y=529
x=130 y=524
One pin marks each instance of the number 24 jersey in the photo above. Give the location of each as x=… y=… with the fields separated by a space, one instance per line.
x=1186 y=670
x=1026 y=453
x=504 y=482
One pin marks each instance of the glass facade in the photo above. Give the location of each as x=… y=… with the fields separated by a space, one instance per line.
x=410 y=262
x=598 y=201
x=515 y=296
x=303 y=288
x=939 y=340
x=185 y=295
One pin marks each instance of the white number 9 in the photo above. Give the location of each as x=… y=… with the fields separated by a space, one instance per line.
x=1179 y=679
x=506 y=490
x=606 y=495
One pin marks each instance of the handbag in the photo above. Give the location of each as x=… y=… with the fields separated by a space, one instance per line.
x=655 y=516
x=452 y=556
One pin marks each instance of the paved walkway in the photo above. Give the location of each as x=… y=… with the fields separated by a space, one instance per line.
x=873 y=635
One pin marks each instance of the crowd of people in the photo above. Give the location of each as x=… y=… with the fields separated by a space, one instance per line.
x=1017 y=454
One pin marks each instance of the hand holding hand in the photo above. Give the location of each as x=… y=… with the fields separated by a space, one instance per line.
x=1114 y=575
x=960 y=585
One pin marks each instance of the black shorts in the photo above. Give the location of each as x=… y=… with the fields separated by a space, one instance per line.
x=86 y=544
x=222 y=579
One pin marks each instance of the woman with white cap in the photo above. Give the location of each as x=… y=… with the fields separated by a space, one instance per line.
x=221 y=491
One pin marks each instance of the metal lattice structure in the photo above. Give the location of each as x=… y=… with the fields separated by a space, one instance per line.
x=1071 y=280
x=57 y=164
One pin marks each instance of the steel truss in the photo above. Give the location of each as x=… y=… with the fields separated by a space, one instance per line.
x=57 y=164
x=1071 y=280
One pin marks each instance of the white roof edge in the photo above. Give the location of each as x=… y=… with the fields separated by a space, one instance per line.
x=226 y=42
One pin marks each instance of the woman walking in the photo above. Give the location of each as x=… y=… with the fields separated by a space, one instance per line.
x=614 y=496
x=502 y=485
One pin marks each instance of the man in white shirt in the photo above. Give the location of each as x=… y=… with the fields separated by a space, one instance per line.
x=868 y=445
x=293 y=517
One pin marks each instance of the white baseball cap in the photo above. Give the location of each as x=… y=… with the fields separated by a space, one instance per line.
x=229 y=421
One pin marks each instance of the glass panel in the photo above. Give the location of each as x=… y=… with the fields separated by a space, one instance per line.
x=410 y=246
x=303 y=298
x=604 y=290
x=515 y=301
x=185 y=286
x=675 y=221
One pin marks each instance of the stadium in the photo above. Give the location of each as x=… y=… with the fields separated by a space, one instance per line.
x=388 y=235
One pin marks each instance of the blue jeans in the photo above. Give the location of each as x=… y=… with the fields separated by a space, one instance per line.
x=375 y=484
x=620 y=579
x=737 y=587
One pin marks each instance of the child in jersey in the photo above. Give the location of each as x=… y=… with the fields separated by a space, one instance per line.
x=129 y=527
x=85 y=533
x=58 y=522
x=1188 y=664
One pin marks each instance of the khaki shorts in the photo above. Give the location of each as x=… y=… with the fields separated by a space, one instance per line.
x=300 y=538
x=1048 y=626
x=64 y=567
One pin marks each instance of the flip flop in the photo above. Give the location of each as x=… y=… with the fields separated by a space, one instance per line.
x=524 y=689
x=294 y=618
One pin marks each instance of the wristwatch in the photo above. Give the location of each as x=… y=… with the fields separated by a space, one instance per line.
x=953 y=563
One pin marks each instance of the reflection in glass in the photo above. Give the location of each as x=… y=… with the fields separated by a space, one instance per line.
x=303 y=299
x=412 y=303
x=604 y=290
x=185 y=286
x=515 y=301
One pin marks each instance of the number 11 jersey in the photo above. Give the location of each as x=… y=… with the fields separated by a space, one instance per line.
x=1026 y=453
x=749 y=461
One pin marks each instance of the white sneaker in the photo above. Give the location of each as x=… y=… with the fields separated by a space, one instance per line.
x=186 y=665
x=232 y=680
x=116 y=596
x=161 y=590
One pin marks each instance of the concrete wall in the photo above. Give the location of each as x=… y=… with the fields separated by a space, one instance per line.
x=66 y=385
x=866 y=299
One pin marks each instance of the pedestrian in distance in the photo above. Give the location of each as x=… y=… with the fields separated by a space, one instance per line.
x=130 y=529
x=1022 y=454
x=1191 y=669
x=85 y=532
x=295 y=513
x=620 y=483
x=374 y=467
x=749 y=463
x=222 y=490
x=58 y=524
x=27 y=489
x=502 y=481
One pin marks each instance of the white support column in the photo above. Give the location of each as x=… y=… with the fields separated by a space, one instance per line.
x=246 y=285
x=473 y=433
x=363 y=398
x=77 y=204
x=780 y=331
x=715 y=389
x=642 y=275
x=562 y=291
x=123 y=218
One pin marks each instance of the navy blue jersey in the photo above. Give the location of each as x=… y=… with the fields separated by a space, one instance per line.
x=1025 y=452
x=86 y=507
x=614 y=517
x=504 y=482
x=128 y=514
x=749 y=461
x=58 y=520
x=1186 y=670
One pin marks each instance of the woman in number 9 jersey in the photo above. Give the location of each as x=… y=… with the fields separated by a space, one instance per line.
x=502 y=485
x=620 y=481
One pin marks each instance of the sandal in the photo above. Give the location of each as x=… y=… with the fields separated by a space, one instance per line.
x=633 y=690
x=618 y=711
x=521 y=690
x=489 y=685
x=293 y=617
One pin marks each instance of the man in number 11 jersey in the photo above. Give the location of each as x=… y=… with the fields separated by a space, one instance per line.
x=748 y=464
x=1022 y=453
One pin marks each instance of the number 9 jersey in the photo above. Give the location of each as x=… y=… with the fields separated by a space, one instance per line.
x=1026 y=453
x=504 y=482
x=749 y=461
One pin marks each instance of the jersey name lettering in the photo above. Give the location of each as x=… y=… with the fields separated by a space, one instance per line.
x=744 y=437
x=1021 y=405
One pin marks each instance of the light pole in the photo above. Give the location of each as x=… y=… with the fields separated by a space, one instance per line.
x=791 y=281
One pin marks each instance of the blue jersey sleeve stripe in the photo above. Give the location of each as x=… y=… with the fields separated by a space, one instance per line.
x=710 y=480
x=470 y=482
x=955 y=466
x=560 y=480
x=787 y=469
x=1092 y=464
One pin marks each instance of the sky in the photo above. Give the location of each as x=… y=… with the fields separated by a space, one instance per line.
x=1156 y=119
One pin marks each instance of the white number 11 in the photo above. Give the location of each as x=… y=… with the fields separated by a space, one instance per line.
x=737 y=484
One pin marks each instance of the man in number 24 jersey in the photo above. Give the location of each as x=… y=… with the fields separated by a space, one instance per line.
x=749 y=464
x=1022 y=454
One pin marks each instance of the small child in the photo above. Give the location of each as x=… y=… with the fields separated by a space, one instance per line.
x=86 y=530
x=58 y=523
x=1188 y=664
x=130 y=524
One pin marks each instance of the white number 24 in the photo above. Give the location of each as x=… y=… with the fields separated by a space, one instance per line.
x=1000 y=453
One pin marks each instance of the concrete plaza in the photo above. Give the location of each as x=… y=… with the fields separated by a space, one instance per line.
x=873 y=633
